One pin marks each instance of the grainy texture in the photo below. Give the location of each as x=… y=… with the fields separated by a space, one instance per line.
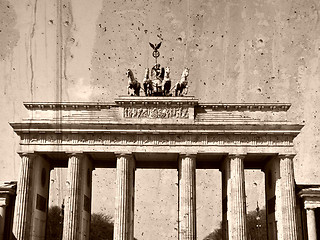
x=237 y=51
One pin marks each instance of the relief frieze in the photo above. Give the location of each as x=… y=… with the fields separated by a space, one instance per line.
x=156 y=139
x=156 y=112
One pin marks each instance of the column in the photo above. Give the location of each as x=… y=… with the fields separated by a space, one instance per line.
x=187 y=197
x=288 y=198
x=3 y=205
x=124 y=202
x=23 y=209
x=233 y=181
x=311 y=224
x=71 y=223
x=272 y=183
x=86 y=191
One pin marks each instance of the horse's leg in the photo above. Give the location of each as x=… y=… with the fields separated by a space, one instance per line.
x=176 y=90
x=138 y=89
x=150 y=89
x=168 y=88
x=145 y=87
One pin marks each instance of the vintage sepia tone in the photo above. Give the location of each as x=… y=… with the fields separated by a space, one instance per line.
x=172 y=118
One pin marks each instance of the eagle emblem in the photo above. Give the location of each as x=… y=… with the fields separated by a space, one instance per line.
x=155 y=47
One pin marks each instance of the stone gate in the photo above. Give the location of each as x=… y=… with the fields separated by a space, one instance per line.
x=155 y=132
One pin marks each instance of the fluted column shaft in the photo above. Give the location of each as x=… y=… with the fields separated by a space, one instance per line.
x=24 y=202
x=236 y=197
x=71 y=223
x=3 y=205
x=311 y=224
x=288 y=196
x=124 y=203
x=187 y=197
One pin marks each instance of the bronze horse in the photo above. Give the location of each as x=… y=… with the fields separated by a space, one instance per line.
x=147 y=84
x=133 y=84
x=166 y=83
x=183 y=84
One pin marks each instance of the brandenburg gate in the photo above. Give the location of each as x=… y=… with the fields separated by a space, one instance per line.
x=155 y=132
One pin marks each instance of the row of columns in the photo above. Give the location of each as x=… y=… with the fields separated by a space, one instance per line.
x=234 y=198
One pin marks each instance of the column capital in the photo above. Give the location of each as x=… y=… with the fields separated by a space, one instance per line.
x=4 y=201
x=123 y=153
x=308 y=205
x=235 y=155
x=76 y=154
x=190 y=155
x=27 y=154
x=284 y=155
x=310 y=208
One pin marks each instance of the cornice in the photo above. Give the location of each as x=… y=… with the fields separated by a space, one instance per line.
x=68 y=105
x=156 y=101
x=246 y=106
x=187 y=100
x=310 y=192
x=8 y=187
x=140 y=128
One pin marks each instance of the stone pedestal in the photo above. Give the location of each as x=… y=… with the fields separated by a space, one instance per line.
x=187 y=197
x=288 y=198
x=235 y=199
x=77 y=203
x=23 y=210
x=311 y=224
x=124 y=202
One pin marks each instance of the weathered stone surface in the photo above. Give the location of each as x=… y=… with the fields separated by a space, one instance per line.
x=77 y=210
x=24 y=203
x=124 y=203
x=187 y=197
x=234 y=184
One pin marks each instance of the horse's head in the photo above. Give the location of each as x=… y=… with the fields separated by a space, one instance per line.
x=146 y=73
x=167 y=72
x=185 y=72
x=130 y=74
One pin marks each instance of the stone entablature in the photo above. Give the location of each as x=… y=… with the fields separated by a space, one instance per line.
x=146 y=123
x=157 y=109
x=311 y=197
